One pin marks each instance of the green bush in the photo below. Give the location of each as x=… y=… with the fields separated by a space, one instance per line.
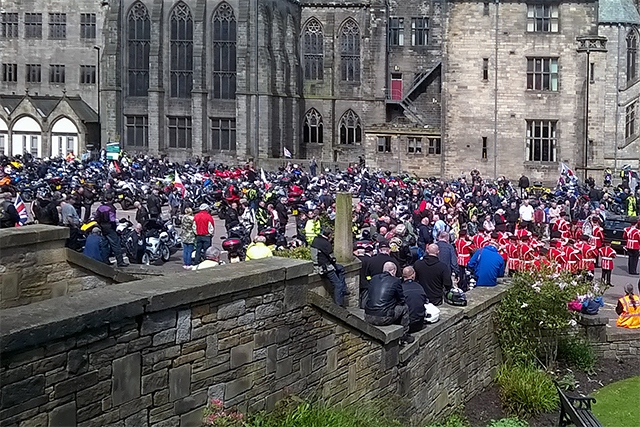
x=296 y=413
x=301 y=252
x=526 y=391
x=577 y=352
x=508 y=422
x=455 y=420
x=533 y=314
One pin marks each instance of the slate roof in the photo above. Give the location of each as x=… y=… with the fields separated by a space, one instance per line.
x=46 y=104
x=618 y=12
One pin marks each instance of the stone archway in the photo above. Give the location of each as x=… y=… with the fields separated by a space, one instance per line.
x=26 y=137
x=4 y=138
x=64 y=138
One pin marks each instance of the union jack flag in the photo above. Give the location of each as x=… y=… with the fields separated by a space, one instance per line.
x=22 y=210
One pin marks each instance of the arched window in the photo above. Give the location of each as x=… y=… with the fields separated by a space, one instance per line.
x=138 y=43
x=313 y=127
x=313 y=45
x=224 y=52
x=350 y=128
x=350 y=51
x=181 y=51
x=632 y=52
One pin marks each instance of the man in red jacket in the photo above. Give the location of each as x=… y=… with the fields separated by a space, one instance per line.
x=204 y=228
x=632 y=235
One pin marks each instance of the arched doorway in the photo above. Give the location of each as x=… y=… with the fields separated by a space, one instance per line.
x=4 y=138
x=26 y=137
x=64 y=138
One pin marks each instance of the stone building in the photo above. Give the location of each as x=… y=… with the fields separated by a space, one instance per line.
x=427 y=86
x=516 y=86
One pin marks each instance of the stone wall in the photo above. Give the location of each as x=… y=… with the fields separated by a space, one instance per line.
x=610 y=342
x=34 y=267
x=153 y=352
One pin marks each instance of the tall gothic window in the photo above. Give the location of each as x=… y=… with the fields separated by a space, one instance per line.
x=350 y=128
x=632 y=53
x=181 y=51
x=313 y=127
x=139 y=42
x=313 y=42
x=350 y=51
x=224 y=52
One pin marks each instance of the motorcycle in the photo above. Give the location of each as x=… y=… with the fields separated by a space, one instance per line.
x=157 y=248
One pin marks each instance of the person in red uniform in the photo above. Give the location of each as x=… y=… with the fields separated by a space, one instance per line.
x=526 y=254
x=480 y=240
x=464 y=247
x=562 y=226
x=574 y=256
x=589 y=255
x=607 y=255
x=513 y=254
x=557 y=255
x=597 y=235
x=576 y=227
x=542 y=261
x=632 y=235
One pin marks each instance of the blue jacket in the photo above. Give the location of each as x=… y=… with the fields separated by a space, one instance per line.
x=93 y=247
x=487 y=265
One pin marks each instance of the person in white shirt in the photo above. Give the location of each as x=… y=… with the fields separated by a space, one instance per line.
x=554 y=213
x=526 y=215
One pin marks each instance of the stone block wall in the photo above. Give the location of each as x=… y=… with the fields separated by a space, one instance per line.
x=34 y=267
x=610 y=342
x=153 y=352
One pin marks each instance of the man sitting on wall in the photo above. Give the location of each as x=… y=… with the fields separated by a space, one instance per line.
x=386 y=304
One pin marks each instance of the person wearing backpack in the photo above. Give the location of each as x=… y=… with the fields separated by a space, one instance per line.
x=9 y=216
x=106 y=219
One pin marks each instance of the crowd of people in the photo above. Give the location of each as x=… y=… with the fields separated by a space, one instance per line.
x=439 y=234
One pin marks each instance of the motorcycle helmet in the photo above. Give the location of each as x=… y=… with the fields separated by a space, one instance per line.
x=271 y=235
x=456 y=297
x=164 y=237
x=232 y=245
x=431 y=313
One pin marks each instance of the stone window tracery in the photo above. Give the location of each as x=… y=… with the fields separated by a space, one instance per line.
x=350 y=128
x=632 y=53
x=313 y=44
x=350 y=51
x=138 y=45
x=224 y=52
x=313 y=127
x=181 y=51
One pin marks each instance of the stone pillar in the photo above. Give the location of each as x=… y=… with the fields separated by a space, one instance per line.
x=343 y=242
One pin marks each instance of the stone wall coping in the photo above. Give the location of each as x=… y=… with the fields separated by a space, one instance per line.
x=44 y=321
x=479 y=299
x=622 y=334
x=354 y=317
x=97 y=267
x=31 y=235
x=592 y=320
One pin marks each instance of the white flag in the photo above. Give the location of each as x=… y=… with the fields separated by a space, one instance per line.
x=263 y=176
x=287 y=153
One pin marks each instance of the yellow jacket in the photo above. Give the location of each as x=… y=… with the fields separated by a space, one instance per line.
x=630 y=317
x=258 y=251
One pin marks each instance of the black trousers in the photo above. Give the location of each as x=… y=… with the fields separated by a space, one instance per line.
x=632 y=264
x=606 y=276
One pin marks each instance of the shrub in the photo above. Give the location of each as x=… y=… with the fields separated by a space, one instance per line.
x=455 y=420
x=533 y=314
x=301 y=252
x=577 y=352
x=526 y=391
x=508 y=422
x=293 y=412
x=216 y=416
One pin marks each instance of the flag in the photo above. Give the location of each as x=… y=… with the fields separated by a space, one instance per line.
x=116 y=166
x=263 y=176
x=287 y=153
x=177 y=183
x=565 y=170
x=22 y=210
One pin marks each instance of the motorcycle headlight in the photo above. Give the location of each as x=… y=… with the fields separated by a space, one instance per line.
x=164 y=236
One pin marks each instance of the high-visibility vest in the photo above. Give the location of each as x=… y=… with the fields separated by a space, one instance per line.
x=630 y=317
x=311 y=230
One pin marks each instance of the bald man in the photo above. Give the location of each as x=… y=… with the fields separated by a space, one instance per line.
x=386 y=304
x=433 y=275
x=415 y=297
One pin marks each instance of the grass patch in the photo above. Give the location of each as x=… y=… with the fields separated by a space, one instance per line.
x=617 y=404
x=454 y=420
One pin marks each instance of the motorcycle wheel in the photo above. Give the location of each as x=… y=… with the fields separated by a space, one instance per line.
x=146 y=258
x=165 y=253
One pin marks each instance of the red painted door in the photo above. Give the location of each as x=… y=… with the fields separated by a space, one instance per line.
x=396 y=86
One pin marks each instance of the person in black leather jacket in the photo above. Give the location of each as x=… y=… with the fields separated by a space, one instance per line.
x=324 y=263
x=386 y=304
